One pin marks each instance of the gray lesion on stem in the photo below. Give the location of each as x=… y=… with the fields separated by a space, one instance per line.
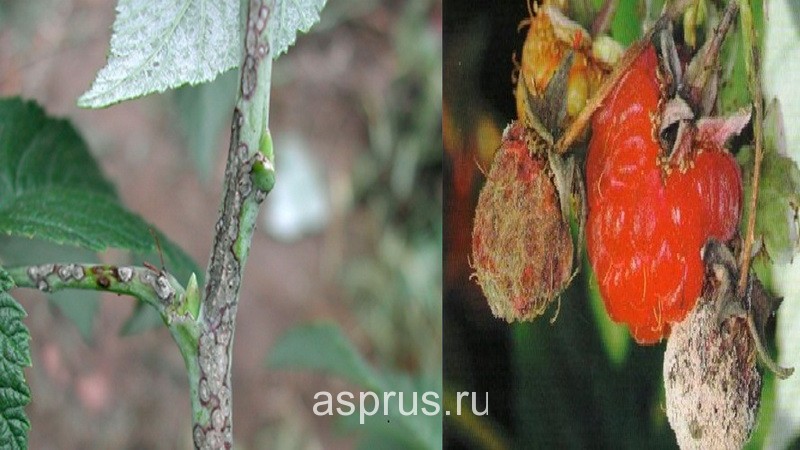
x=158 y=288
x=176 y=304
x=213 y=426
x=155 y=287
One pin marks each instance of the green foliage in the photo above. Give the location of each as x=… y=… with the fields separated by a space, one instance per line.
x=322 y=347
x=51 y=188
x=287 y=18
x=39 y=153
x=778 y=193
x=15 y=355
x=625 y=27
x=204 y=111
x=67 y=215
x=733 y=92
x=157 y=46
x=778 y=197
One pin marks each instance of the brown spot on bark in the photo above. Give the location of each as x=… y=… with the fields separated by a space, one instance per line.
x=103 y=281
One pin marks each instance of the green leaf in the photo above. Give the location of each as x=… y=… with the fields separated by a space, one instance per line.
x=322 y=347
x=733 y=91
x=6 y=282
x=37 y=152
x=287 y=18
x=51 y=188
x=204 y=111
x=157 y=46
x=74 y=216
x=15 y=355
x=625 y=26
x=778 y=193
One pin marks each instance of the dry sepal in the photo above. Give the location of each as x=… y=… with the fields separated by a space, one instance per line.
x=550 y=38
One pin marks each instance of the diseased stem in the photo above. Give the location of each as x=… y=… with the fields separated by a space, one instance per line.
x=248 y=178
x=707 y=67
x=203 y=330
x=157 y=288
x=752 y=65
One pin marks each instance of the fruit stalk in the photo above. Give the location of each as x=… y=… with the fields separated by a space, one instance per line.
x=708 y=65
x=751 y=64
x=575 y=130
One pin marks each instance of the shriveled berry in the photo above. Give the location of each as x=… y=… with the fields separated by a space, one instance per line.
x=711 y=382
x=522 y=249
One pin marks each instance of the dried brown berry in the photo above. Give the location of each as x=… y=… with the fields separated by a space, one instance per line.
x=521 y=244
x=712 y=385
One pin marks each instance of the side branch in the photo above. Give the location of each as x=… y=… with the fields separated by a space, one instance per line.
x=177 y=306
x=156 y=288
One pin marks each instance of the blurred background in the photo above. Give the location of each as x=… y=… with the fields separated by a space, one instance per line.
x=580 y=381
x=351 y=235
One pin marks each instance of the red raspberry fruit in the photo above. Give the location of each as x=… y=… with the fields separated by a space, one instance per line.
x=650 y=214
